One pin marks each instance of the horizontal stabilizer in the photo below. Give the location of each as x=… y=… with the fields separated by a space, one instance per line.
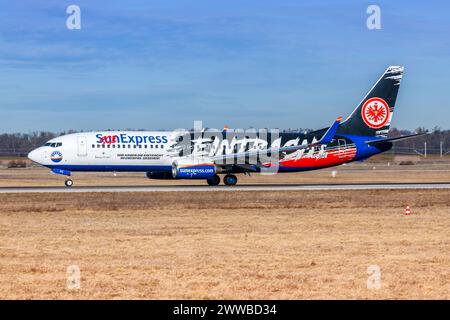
x=395 y=139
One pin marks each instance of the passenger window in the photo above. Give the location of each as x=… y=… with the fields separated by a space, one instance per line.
x=129 y=146
x=156 y=146
x=98 y=146
x=109 y=146
x=151 y=146
x=114 y=146
x=140 y=146
x=93 y=146
x=134 y=147
x=145 y=146
x=118 y=146
x=162 y=146
x=103 y=146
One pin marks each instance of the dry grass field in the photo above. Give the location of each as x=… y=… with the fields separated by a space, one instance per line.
x=367 y=172
x=226 y=245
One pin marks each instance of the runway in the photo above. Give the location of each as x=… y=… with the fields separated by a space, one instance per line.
x=244 y=187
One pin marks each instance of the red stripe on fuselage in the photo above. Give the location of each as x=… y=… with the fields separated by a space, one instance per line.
x=321 y=159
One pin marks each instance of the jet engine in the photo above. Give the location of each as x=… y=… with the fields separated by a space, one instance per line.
x=189 y=169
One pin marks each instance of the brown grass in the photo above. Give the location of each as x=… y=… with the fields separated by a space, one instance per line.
x=256 y=245
x=367 y=172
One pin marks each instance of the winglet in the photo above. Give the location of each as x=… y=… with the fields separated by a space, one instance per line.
x=331 y=132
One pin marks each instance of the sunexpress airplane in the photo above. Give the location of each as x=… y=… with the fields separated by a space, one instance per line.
x=206 y=155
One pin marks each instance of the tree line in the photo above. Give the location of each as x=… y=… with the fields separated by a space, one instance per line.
x=19 y=144
x=435 y=142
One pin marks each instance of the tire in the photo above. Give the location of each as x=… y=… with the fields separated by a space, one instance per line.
x=68 y=183
x=213 y=181
x=230 y=180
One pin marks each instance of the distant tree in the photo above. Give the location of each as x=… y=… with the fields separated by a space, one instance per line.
x=20 y=144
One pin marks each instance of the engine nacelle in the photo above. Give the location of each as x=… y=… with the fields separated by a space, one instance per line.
x=160 y=175
x=184 y=169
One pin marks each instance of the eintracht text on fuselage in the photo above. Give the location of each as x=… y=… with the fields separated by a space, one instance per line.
x=207 y=154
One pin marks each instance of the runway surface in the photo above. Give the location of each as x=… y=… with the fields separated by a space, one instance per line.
x=245 y=187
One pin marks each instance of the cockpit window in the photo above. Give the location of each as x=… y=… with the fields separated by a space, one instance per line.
x=53 y=144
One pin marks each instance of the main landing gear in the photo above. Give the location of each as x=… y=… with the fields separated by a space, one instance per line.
x=214 y=180
x=229 y=180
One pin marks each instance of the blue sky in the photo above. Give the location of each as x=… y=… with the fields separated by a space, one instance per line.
x=164 y=64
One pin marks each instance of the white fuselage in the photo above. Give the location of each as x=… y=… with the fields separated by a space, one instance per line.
x=160 y=151
x=107 y=151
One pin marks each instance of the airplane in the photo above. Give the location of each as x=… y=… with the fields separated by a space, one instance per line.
x=207 y=154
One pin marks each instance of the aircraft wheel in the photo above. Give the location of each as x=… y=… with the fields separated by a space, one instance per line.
x=230 y=180
x=213 y=181
x=68 y=183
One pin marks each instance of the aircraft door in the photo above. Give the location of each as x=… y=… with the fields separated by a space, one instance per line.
x=82 y=146
x=342 y=146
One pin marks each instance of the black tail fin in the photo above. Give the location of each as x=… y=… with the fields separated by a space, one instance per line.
x=373 y=115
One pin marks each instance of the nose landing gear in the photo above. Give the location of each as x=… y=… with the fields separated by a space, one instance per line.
x=68 y=182
x=66 y=173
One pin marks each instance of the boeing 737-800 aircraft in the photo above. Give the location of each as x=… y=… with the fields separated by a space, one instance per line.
x=204 y=154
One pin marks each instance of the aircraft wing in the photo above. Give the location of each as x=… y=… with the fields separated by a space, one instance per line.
x=394 y=139
x=326 y=138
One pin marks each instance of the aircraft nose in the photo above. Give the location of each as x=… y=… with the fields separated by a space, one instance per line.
x=34 y=155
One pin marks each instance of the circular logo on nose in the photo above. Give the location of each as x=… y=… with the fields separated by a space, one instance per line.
x=375 y=112
x=56 y=156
